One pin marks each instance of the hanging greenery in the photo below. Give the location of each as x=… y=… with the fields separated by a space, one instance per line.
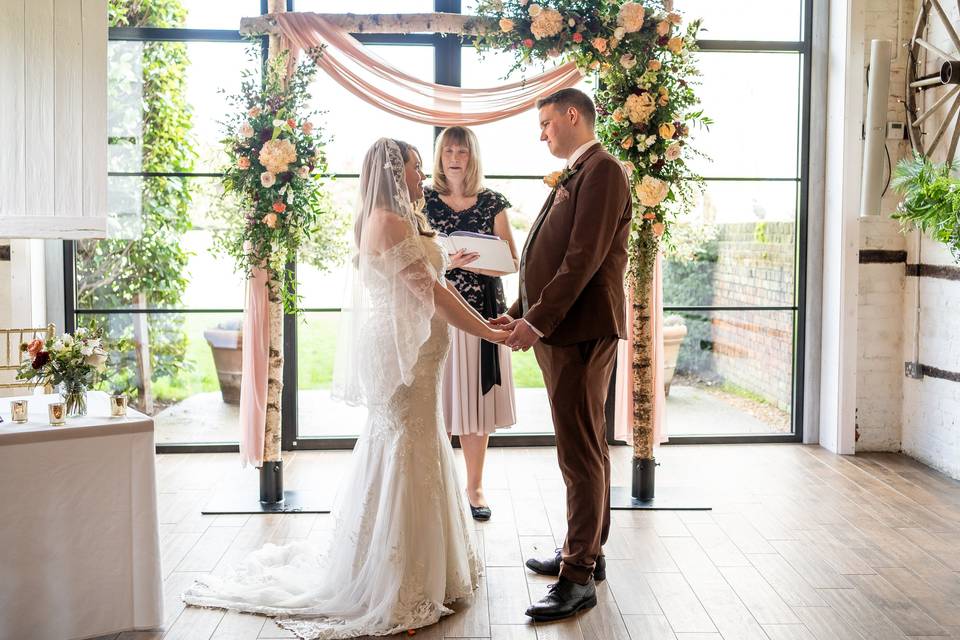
x=931 y=199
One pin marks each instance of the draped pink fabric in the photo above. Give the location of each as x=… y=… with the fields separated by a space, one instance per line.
x=623 y=414
x=253 y=381
x=375 y=81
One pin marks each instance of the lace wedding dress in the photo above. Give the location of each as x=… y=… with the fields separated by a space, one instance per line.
x=402 y=548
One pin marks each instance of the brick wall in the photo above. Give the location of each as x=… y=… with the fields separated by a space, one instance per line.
x=920 y=417
x=753 y=349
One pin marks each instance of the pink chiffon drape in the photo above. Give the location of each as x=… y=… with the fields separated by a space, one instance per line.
x=253 y=381
x=375 y=81
x=623 y=414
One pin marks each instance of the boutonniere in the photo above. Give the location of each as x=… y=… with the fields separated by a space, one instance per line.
x=557 y=178
x=555 y=181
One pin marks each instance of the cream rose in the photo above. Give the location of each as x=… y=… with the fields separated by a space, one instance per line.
x=268 y=179
x=672 y=152
x=628 y=61
x=651 y=191
x=506 y=25
x=629 y=167
x=547 y=24
x=619 y=32
x=303 y=171
x=535 y=10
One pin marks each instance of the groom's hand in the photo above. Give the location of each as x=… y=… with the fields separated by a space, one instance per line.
x=523 y=336
x=504 y=323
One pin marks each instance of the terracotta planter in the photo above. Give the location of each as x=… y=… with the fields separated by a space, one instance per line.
x=674 y=331
x=226 y=343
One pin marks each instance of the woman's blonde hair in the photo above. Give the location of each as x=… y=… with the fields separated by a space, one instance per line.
x=474 y=174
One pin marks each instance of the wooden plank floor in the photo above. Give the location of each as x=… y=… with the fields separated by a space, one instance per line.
x=800 y=545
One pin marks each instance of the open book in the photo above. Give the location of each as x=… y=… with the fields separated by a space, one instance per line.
x=494 y=252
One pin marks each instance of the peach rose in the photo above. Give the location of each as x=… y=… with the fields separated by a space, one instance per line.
x=629 y=167
x=35 y=347
x=654 y=65
x=627 y=142
x=535 y=10
x=675 y=18
x=246 y=130
x=663 y=28
x=675 y=44
x=657 y=228
x=630 y=16
x=552 y=179
x=667 y=130
x=243 y=162
x=628 y=61
x=254 y=111
x=307 y=127
x=506 y=25
x=303 y=171
x=270 y=220
x=618 y=115
x=600 y=44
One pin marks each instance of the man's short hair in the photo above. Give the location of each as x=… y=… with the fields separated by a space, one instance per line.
x=566 y=98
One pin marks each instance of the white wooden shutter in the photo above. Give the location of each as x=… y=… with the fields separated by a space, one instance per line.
x=53 y=118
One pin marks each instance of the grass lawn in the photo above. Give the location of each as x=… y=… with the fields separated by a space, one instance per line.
x=317 y=345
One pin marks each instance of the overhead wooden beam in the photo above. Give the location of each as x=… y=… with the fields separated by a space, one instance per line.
x=453 y=23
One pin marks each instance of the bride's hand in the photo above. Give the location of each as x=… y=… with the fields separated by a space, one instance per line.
x=462 y=258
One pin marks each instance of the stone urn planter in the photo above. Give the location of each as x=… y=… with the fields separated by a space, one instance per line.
x=674 y=331
x=226 y=342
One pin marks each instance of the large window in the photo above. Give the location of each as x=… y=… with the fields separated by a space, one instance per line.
x=733 y=291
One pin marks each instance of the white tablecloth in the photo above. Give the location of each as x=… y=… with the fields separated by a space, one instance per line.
x=79 y=541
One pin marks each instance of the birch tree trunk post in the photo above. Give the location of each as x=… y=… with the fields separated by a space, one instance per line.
x=271 y=473
x=644 y=465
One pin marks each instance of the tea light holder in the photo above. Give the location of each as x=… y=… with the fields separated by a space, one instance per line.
x=18 y=411
x=58 y=413
x=118 y=405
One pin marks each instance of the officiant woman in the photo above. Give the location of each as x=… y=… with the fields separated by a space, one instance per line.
x=478 y=395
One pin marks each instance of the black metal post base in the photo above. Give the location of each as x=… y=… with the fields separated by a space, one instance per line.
x=273 y=499
x=271 y=482
x=644 y=496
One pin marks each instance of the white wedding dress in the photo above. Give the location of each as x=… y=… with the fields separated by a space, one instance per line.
x=402 y=547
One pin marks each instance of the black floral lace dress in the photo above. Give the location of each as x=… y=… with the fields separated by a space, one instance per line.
x=478 y=385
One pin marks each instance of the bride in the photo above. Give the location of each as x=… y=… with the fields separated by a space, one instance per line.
x=402 y=547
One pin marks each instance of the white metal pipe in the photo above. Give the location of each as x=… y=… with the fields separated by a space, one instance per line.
x=878 y=91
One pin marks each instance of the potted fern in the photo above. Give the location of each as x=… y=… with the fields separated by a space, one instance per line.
x=931 y=199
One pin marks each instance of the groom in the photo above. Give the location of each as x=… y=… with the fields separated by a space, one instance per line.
x=571 y=311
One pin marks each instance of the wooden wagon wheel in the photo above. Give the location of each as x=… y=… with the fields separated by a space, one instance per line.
x=933 y=82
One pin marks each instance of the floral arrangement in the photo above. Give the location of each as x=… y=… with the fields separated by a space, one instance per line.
x=646 y=103
x=68 y=358
x=71 y=362
x=275 y=171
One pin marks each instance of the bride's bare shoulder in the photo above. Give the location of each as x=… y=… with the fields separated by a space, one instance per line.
x=385 y=228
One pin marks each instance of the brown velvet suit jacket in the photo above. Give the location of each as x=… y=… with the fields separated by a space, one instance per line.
x=573 y=263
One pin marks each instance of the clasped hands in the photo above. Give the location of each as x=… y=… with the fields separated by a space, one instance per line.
x=516 y=334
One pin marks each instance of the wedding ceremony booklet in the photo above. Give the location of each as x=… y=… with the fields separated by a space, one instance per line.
x=494 y=251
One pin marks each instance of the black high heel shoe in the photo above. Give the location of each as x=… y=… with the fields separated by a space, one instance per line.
x=481 y=514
